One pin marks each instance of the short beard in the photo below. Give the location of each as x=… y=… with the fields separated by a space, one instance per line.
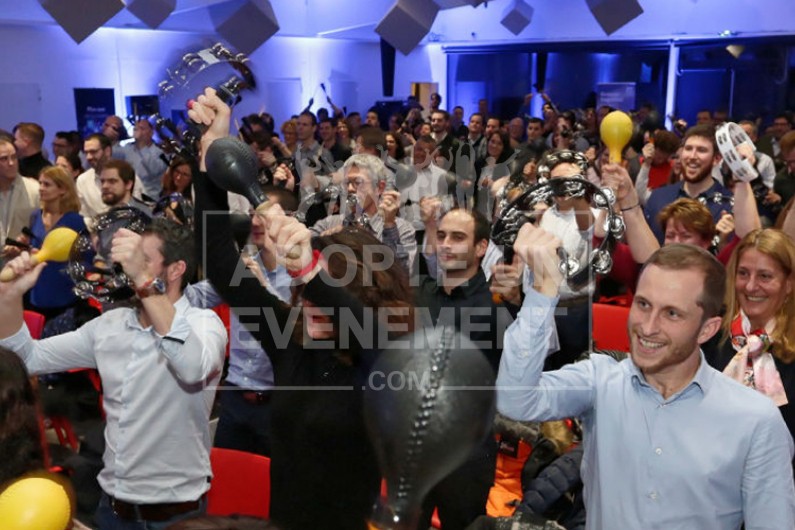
x=701 y=177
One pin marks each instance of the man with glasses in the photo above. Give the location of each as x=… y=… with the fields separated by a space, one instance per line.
x=98 y=152
x=18 y=196
x=365 y=177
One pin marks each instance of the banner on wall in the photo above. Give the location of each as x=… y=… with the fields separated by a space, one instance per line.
x=92 y=106
x=620 y=96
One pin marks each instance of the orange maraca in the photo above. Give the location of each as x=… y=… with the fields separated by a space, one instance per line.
x=56 y=247
x=616 y=130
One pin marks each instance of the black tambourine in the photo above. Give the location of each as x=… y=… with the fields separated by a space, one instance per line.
x=217 y=67
x=89 y=265
x=522 y=210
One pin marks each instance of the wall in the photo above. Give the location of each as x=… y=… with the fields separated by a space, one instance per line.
x=42 y=72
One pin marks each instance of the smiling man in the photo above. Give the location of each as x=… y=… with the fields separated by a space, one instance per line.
x=669 y=441
x=699 y=155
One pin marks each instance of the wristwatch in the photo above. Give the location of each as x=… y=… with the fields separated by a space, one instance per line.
x=150 y=287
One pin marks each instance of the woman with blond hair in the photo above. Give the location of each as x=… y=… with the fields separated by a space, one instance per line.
x=758 y=322
x=59 y=207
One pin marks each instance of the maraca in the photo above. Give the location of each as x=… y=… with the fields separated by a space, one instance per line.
x=56 y=247
x=232 y=166
x=39 y=500
x=421 y=432
x=616 y=130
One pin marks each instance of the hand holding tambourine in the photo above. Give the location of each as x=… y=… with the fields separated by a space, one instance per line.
x=737 y=150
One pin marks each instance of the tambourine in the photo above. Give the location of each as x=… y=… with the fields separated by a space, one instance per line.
x=328 y=195
x=89 y=265
x=218 y=67
x=522 y=210
x=729 y=136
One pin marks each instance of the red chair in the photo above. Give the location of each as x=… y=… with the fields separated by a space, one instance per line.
x=241 y=483
x=609 y=327
x=35 y=323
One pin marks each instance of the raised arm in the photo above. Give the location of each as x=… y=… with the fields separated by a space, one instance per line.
x=523 y=392
x=639 y=236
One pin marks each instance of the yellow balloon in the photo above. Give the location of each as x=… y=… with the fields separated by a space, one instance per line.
x=35 y=502
x=616 y=130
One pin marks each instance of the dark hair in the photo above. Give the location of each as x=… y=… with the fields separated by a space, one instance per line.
x=386 y=287
x=482 y=225
x=283 y=197
x=74 y=161
x=176 y=244
x=310 y=115
x=443 y=113
x=506 y=146
x=666 y=141
x=372 y=138
x=167 y=181
x=20 y=437
x=125 y=170
x=679 y=257
x=104 y=141
x=702 y=131
x=427 y=139
x=400 y=153
x=536 y=120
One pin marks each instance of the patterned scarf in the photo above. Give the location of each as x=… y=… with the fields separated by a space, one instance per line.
x=753 y=364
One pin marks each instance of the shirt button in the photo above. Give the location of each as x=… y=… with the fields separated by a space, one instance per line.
x=658 y=451
x=653 y=495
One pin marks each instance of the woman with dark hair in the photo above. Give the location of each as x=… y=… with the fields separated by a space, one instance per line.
x=323 y=467
x=71 y=163
x=20 y=437
x=176 y=197
x=492 y=168
x=177 y=178
x=394 y=148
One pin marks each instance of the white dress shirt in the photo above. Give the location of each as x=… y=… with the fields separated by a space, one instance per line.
x=157 y=395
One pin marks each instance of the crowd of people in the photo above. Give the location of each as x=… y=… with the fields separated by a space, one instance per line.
x=380 y=230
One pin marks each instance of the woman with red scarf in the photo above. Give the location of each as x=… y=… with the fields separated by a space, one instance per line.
x=760 y=319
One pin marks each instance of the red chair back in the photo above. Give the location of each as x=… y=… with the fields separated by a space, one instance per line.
x=241 y=483
x=35 y=323
x=609 y=327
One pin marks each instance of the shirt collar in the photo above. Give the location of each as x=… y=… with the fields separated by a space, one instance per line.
x=467 y=289
x=702 y=380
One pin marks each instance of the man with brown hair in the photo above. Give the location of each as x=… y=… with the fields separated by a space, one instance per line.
x=699 y=156
x=651 y=420
x=28 y=139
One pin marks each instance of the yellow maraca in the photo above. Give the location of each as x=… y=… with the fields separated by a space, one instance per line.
x=616 y=130
x=42 y=500
x=56 y=247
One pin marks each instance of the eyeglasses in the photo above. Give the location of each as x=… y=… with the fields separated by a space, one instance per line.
x=8 y=159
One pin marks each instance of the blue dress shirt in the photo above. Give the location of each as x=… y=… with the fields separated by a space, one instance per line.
x=249 y=366
x=711 y=456
x=662 y=197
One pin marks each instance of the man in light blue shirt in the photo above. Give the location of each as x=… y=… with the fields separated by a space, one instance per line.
x=159 y=363
x=669 y=442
